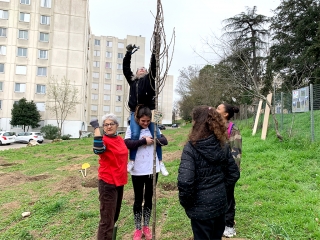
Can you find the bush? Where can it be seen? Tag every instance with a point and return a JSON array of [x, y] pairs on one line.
[[50, 132], [65, 137]]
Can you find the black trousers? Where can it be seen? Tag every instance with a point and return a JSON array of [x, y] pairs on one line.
[[143, 191], [210, 229], [231, 212], [110, 198]]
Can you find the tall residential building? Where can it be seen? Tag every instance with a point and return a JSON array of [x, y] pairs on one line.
[[40, 39]]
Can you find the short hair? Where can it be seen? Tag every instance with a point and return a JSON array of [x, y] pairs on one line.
[[110, 116]]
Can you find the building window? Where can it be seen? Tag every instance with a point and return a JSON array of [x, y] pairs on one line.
[[41, 106], [96, 64], [94, 96], [95, 75], [45, 20], [118, 109], [119, 66], [106, 108], [97, 42], [4, 14], [23, 34], [1, 86], [1, 67], [107, 87], [3, 50], [118, 98], [106, 97], [24, 17], [41, 89], [43, 54], [22, 52], [120, 55], [42, 71], [95, 85], [109, 44], [107, 76], [120, 45], [119, 77], [21, 70], [108, 54], [94, 107], [119, 87], [46, 3], [27, 2], [20, 87], [44, 37], [3, 32], [96, 53], [108, 64]]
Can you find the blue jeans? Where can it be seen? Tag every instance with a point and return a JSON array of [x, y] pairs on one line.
[[135, 134]]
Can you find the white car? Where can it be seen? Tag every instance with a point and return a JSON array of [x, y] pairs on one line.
[[28, 136], [7, 137]]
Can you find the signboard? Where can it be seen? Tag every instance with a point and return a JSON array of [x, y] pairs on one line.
[[300, 100]]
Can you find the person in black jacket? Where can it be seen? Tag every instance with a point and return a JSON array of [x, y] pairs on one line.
[[207, 170], [142, 92]]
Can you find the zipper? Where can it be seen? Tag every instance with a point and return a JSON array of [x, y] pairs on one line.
[[137, 83]]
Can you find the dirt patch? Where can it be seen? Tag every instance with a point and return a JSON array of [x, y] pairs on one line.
[[90, 183], [169, 186], [7, 164], [16, 178], [171, 156]]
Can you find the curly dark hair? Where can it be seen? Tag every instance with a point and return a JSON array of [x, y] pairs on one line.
[[207, 121]]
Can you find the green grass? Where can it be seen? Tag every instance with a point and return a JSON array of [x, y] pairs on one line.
[[277, 195]]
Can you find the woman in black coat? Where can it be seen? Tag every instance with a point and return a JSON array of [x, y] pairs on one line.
[[206, 171]]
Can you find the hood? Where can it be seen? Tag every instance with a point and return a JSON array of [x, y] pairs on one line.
[[135, 77], [210, 149]]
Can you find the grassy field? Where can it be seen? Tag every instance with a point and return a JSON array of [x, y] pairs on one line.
[[277, 195]]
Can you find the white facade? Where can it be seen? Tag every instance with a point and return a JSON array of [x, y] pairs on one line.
[[44, 38]]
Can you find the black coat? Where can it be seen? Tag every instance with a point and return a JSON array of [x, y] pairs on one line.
[[205, 172], [141, 90]]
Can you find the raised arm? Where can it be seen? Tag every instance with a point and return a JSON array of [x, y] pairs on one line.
[[98, 146], [126, 64]]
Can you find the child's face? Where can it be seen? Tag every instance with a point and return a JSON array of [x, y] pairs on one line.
[[144, 121]]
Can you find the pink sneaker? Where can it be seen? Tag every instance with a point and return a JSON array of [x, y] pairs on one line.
[[137, 234], [147, 233]]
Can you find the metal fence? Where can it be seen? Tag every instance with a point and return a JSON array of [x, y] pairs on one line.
[[301, 125]]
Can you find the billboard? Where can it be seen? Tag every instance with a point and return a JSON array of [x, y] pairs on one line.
[[300, 100]]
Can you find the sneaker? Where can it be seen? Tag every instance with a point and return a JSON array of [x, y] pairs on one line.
[[130, 166], [147, 233], [229, 232], [137, 234], [163, 169]]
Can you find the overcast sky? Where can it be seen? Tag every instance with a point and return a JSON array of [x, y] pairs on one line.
[[193, 20]]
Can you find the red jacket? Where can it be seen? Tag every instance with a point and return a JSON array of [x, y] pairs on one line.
[[113, 162]]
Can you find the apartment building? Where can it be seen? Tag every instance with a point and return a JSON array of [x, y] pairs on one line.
[[44, 38], [40, 39]]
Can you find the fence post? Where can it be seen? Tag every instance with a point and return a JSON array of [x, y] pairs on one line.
[[282, 111], [311, 112]]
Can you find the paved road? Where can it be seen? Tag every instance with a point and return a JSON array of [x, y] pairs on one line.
[[16, 145]]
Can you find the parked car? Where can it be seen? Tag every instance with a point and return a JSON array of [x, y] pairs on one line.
[[28, 136], [7, 137], [175, 125], [162, 127]]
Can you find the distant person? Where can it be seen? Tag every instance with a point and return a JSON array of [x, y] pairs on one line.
[[112, 173], [142, 173], [227, 111], [206, 172], [142, 92]]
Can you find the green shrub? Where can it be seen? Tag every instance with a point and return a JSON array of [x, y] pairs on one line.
[[65, 137], [50, 132]]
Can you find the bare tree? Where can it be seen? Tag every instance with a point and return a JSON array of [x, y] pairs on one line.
[[163, 63], [62, 99]]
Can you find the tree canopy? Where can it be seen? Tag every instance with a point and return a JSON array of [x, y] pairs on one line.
[[25, 114]]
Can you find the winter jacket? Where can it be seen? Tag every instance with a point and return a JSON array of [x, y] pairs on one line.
[[235, 141], [206, 171], [142, 90]]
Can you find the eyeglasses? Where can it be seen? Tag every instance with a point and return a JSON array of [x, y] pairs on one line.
[[109, 124]]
